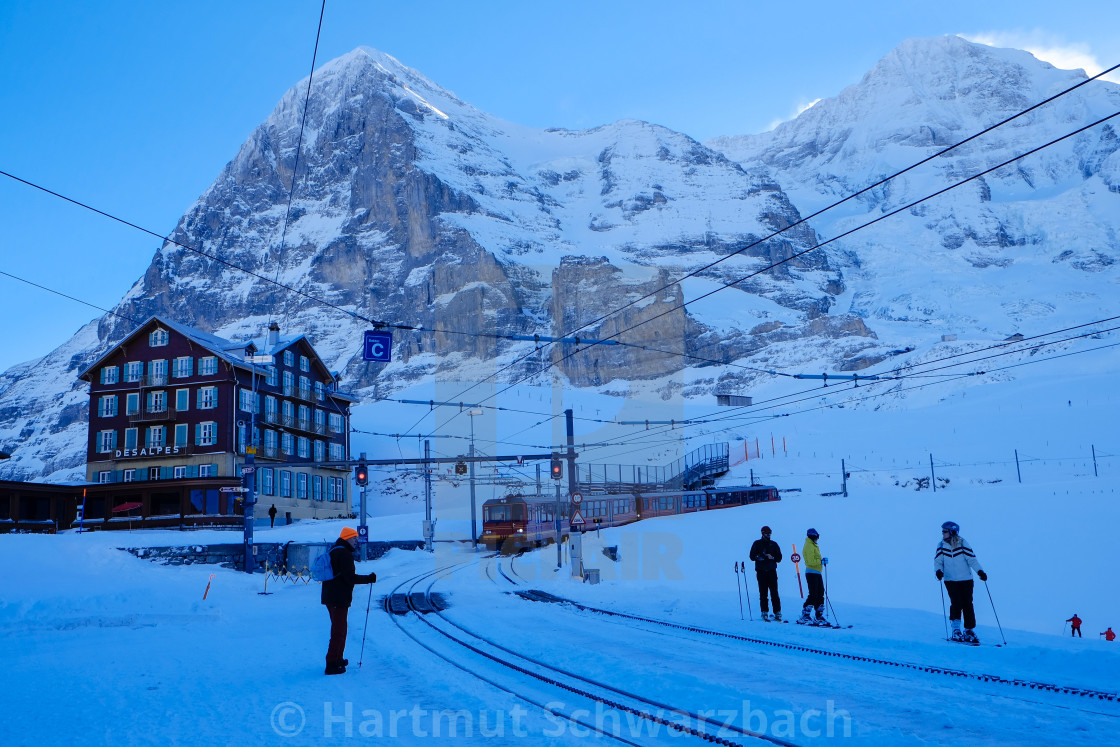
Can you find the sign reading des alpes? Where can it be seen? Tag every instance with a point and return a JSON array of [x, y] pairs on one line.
[[148, 451]]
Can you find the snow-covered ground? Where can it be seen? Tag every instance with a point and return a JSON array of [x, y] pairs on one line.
[[116, 649]]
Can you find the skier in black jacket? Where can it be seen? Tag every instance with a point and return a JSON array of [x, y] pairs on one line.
[[338, 593], [766, 555]]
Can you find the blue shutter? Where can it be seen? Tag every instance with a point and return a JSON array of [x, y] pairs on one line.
[[198, 434]]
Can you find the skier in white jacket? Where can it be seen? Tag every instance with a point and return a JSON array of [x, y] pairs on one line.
[[954, 563]]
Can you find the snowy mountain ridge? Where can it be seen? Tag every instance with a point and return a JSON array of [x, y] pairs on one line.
[[413, 207]]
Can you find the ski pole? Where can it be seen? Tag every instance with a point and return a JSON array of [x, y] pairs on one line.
[[943, 615], [746, 585], [1001, 635], [366, 628], [827, 598], [740, 590]]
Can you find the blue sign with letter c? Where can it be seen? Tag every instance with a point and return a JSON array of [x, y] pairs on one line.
[[378, 346]]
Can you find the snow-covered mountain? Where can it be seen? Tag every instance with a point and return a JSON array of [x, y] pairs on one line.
[[413, 207]]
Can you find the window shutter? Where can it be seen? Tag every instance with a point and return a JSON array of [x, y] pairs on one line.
[[198, 434]]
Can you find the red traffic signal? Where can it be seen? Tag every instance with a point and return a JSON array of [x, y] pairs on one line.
[[361, 474], [557, 469]]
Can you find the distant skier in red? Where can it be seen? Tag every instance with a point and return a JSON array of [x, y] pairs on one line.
[[1074, 626], [1109, 635]]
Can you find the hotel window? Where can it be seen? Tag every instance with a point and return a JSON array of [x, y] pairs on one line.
[[266, 481], [336, 423], [320, 421], [289, 383], [317, 487], [304, 416], [181, 434], [241, 438], [245, 400], [270, 408], [207, 397], [319, 390], [110, 375], [289, 358], [287, 443], [183, 367], [157, 401], [130, 438], [129, 475], [320, 451], [304, 363], [270, 442], [105, 476], [157, 372], [207, 470], [106, 441], [180, 473], [132, 403], [158, 338], [107, 406], [153, 473], [206, 434], [301, 485], [182, 400], [134, 371], [337, 454], [208, 366], [285, 484], [289, 411], [304, 447], [304, 386], [273, 376], [156, 436], [340, 490]]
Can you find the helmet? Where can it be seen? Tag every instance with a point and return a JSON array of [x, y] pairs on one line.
[[812, 533], [766, 530], [952, 527]]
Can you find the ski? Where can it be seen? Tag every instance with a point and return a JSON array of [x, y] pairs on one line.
[[963, 642]]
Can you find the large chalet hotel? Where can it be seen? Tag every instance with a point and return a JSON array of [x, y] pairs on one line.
[[174, 411]]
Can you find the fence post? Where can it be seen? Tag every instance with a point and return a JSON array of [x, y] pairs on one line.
[[1017, 470], [1094, 448], [932, 475], [844, 478]]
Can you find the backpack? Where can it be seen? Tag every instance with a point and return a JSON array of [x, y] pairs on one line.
[[321, 568]]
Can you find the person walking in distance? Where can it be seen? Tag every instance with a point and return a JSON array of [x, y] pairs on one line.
[[1074, 626], [766, 555], [954, 563], [338, 593], [272, 516], [811, 554]]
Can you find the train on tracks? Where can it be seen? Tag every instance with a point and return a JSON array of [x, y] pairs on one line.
[[524, 521]]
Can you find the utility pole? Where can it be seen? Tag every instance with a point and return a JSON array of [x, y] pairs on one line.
[[474, 527], [249, 471], [573, 488], [427, 496], [844, 479]]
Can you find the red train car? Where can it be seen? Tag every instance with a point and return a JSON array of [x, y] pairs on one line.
[[518, 521]]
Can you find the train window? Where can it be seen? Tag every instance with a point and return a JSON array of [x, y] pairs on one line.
[[518, 511], [496, 513]]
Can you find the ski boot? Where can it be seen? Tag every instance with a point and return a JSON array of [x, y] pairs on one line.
[[806, 616], [957, 635], [335, 667], [766, 617], [970, 637], [777, 617], [820, 619]]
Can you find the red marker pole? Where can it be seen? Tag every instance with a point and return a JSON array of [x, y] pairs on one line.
[[208, 586], [796, 559]]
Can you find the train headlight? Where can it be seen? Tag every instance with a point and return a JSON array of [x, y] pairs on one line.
[[520, 531]]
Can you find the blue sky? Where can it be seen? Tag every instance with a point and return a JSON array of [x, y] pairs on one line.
[[135, 107]]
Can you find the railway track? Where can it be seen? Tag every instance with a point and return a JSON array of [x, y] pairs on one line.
[[541, 596], [661, 719]]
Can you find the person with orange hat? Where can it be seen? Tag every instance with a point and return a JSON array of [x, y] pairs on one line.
[[338, 593]]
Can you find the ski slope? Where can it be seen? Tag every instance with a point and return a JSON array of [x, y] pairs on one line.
[[125, 651]]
